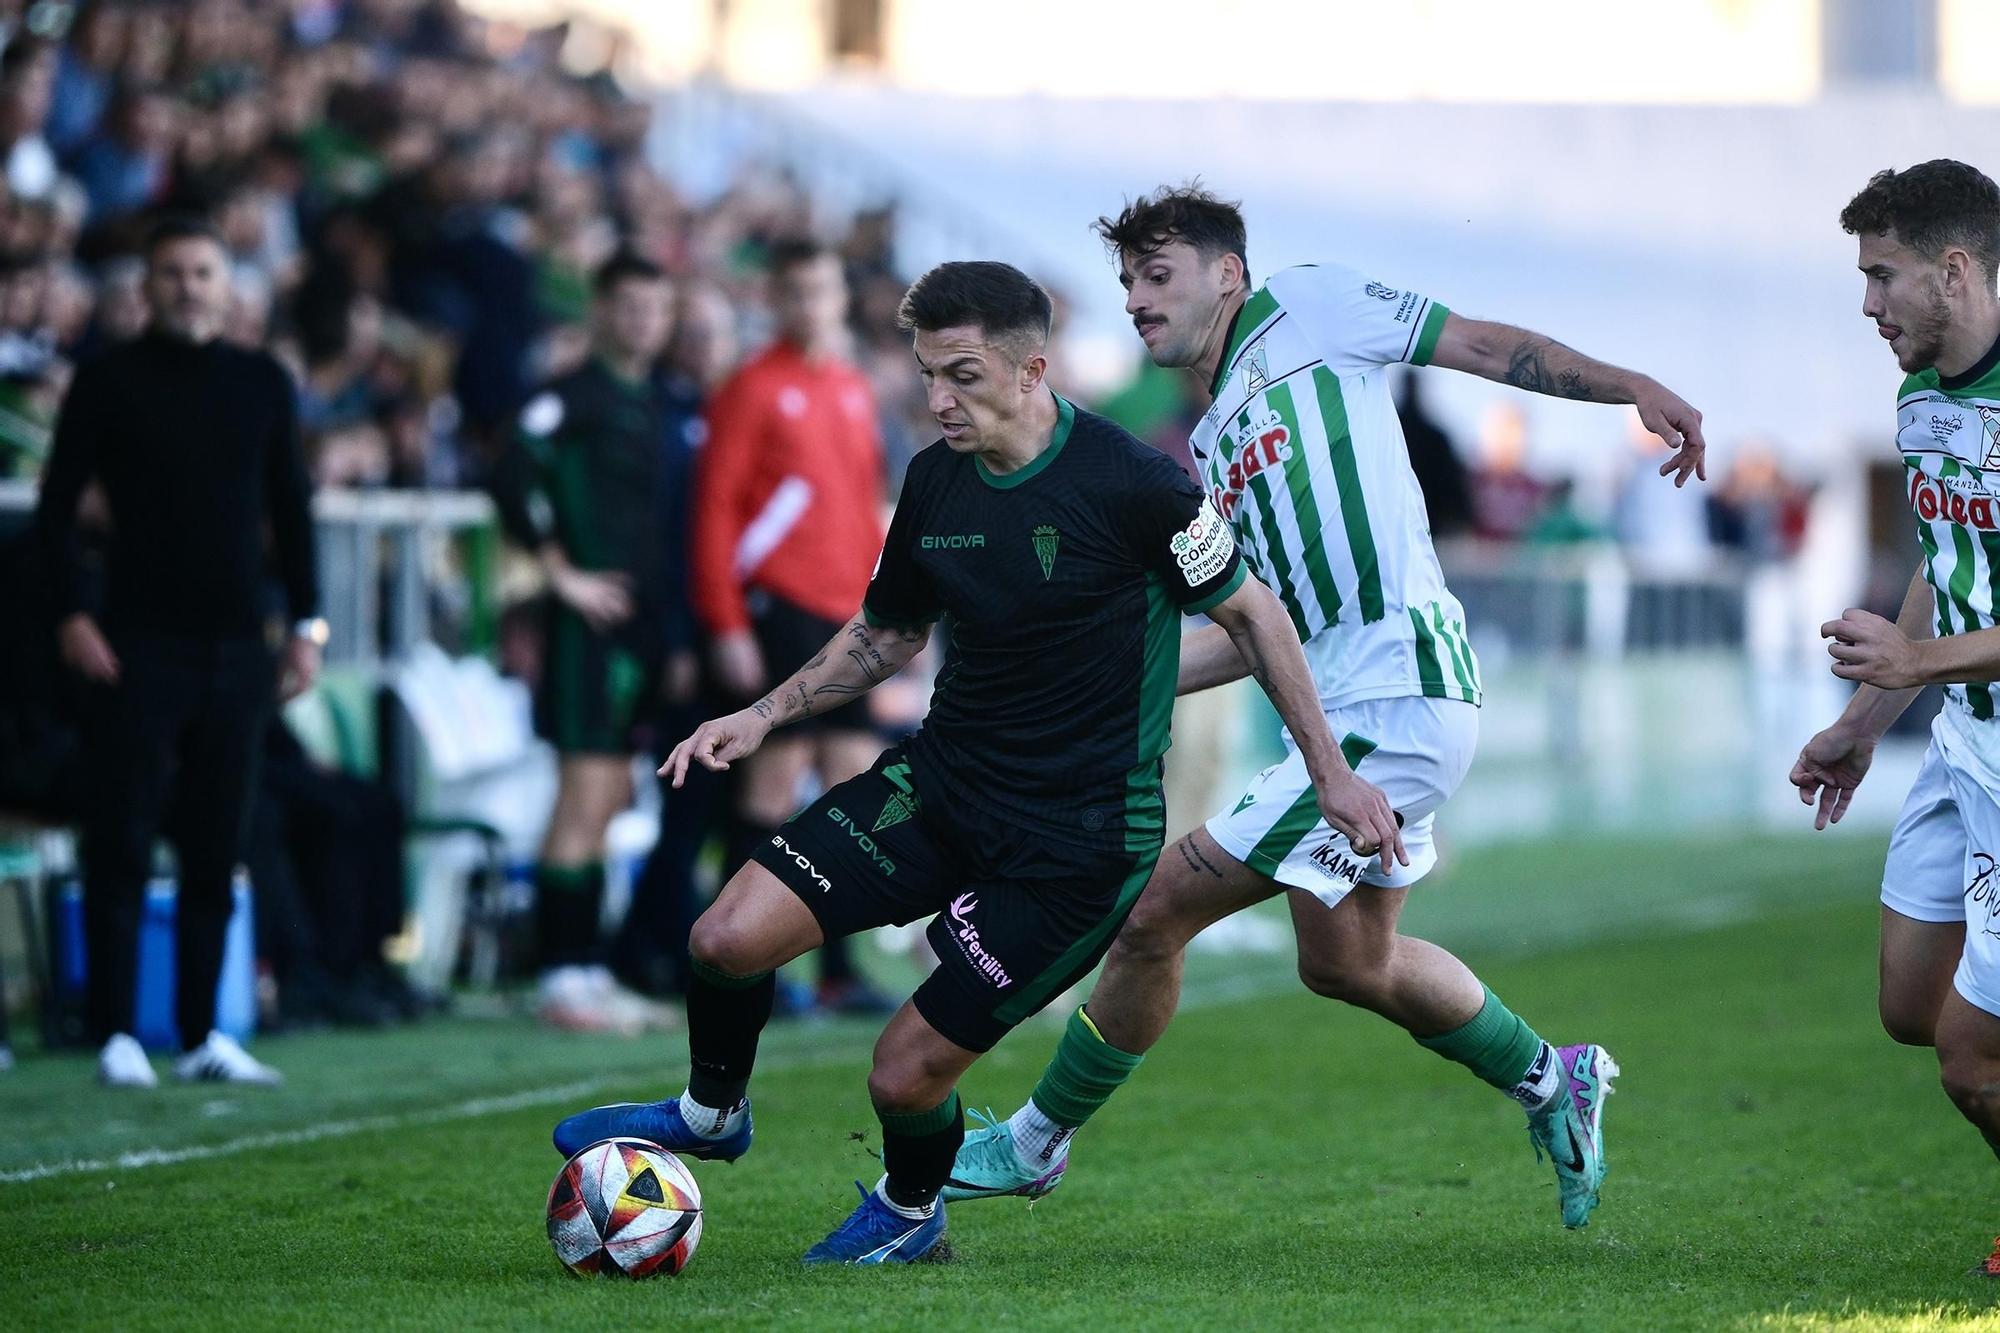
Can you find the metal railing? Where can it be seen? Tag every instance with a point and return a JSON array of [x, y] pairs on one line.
[[396, 568]]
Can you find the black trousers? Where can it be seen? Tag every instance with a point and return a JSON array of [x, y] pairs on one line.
[[650, 951], [172, 748]]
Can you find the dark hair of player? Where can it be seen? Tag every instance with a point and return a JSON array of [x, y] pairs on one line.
[[790, 252], [1212, 225], [1930, 207], [623, 267], [183, 227], [1001, 301]]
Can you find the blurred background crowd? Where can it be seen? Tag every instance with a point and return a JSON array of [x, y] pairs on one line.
[[415, 201]]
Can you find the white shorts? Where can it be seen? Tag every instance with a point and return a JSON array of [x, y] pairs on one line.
[[1415, 749], [1940, 868]]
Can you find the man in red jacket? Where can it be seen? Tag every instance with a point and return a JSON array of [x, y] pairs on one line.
[[788, 522]]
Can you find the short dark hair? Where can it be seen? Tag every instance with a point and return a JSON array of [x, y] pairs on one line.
[[1211, 224], [790, 252], [1930, 207], [1004, 303], [183, 227], [625, 266]]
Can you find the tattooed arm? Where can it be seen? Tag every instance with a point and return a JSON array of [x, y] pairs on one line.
[[853, 662], [1269, 645], [1510, 355]]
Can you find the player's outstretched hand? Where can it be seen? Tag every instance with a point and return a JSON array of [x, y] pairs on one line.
[[1674, 420], [1356, 808], [716, 743], [1870, 649], [1830, 767]]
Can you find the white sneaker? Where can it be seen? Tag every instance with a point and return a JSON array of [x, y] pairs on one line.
[[630, 1010], [221, 1060], [587, 998], [573, 999], [123, 1064]]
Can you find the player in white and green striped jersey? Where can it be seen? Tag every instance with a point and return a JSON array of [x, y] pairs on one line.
[[1302, 454], [1929, 240]]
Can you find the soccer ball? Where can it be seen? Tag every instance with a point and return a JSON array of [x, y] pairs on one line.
[[624, 1206]]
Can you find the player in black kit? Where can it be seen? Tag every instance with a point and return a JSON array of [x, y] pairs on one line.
[[1026, 813]]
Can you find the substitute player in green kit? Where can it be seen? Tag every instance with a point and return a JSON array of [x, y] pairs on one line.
[[1026, 813], [1303, 456]]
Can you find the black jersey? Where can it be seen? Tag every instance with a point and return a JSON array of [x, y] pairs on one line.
[[1060, 586], [196, 446], [601, 466]]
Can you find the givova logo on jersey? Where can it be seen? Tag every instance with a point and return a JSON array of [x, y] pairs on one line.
[[1266, 444], [1933, 500]]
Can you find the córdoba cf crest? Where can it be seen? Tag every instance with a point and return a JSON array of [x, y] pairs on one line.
[[1046, 538]]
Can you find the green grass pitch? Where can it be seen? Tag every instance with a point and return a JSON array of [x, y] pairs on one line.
[[1279, 1162]]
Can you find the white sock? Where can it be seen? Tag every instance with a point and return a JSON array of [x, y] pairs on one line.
[[1039, 1142], [1544, 1079], [914, 1214], [709, 1122]]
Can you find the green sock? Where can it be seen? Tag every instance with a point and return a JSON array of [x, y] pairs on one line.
[[1496, 1045], [1085, 1072]]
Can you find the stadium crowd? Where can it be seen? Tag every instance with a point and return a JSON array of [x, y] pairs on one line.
[[417, 205]]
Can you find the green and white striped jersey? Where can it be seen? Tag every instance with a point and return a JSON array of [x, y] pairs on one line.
[[1948, 431], [1302, 453]]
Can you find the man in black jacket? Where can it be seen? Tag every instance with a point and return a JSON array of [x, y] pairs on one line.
[[193, 446]]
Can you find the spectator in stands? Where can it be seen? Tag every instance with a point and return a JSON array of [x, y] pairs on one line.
[[590, 491], [788, 524], [193, 445], [27, 79], [1507, 500], [126, 169], [1664, 533], [1441, 474], [86, 73], [1758, 512]]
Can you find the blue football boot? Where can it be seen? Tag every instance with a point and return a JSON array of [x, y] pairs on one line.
[[655, 1122], [875, 1233]]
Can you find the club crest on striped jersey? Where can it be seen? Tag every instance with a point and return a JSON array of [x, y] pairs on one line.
[[1989, 429], [1256, 368]]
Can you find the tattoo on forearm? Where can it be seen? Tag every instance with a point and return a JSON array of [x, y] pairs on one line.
[[762, 708], [1528, 368], [1191, 854], [798, 699]]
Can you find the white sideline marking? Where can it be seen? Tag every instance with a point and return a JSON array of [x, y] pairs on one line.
[[1220, 990]]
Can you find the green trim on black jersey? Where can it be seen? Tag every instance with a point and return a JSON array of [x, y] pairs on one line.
[[1220, 595], [1427, 340], [639, 388], [1159, 676], [1039, 991], [1065, 419]]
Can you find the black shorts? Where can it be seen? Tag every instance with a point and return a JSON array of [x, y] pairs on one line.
[[1021, 917], [596, 689], [789, 636]]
